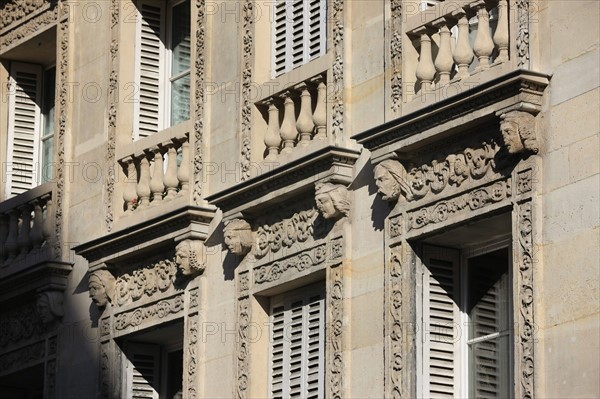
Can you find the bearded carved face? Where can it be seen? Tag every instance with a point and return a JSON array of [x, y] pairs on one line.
[[387, 186], [98, 294], [325, 206], [511, 137]]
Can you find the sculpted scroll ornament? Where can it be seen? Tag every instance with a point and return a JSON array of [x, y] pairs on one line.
[[473, 200], [284, 234], [158, 277], [159, 310]]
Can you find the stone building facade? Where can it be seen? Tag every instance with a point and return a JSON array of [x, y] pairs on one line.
[[341, 199]]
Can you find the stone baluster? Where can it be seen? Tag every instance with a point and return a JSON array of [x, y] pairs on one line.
[[425, 69], [320, 114], [272, 136], [443, 61], [143, 186], [170, 179], [288, 130], [12, 247], [483, 45], [3, 235], [157, 187], [305, 124], [130, 192], [183, 173], [463, 53], [36, 236], [48, 220], [23, 238], [501, 37]]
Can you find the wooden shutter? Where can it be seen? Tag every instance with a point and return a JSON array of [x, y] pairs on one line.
[[23, 128], [441, 318], [150, 68], [299, 32], [297, 346], [143, 371]]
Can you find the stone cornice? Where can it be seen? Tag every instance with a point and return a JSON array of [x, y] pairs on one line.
[[188, 222], [332, 164], [518, 88], [26, 281]]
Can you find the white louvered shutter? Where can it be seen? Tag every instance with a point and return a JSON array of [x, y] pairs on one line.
[[297, 347], [150, 67], [23, 128], [299, 33], [143, 371], [441, 318]]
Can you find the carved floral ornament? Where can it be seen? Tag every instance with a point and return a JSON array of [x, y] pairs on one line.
[[394, 180], [15, 10]]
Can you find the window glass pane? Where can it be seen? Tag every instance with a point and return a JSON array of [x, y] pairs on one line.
[[488, 296], [180, 38], [489, 371], [47, 160], [180, 99], [48, 105]]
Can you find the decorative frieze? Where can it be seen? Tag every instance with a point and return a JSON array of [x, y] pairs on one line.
[[300, 262], [145, 282], [28, 27], [396, 54], [287, 233], [523, 33], [462, 205], [19, 324], [337, 96], [144, 314], [22, 357]]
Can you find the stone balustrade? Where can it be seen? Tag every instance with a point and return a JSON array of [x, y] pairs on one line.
[[450, 48], [157, 173], [26, 224], [295, 116]]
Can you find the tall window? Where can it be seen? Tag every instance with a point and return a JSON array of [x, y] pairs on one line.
[[299, 33], [297, 353], [466, 324], [30, 127], [163, 65]]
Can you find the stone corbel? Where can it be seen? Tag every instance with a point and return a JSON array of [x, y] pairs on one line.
[[101, 284], [190, 257], [333, 200], [238, 236], [519, 132], [49, 306], [391, 179]]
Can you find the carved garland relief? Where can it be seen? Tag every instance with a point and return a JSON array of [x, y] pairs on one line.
[[145, 282], [247, 57], [337, 19], [395, 326], [396, 54], [335, 364], [199, 101]]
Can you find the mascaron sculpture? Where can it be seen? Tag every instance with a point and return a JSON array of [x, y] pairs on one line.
[[102, 287], [189, 257], [332, 200], [238, 237]]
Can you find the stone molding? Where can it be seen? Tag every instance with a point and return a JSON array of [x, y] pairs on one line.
[[395, 33], [148, 314], [25, 20], [337, 21], [460, 207], [199, 100], [318, 255], [335, 359], [246, 78]]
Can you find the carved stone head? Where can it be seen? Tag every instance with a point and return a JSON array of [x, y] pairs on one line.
[[518, 132], [391, 180], [332, 200], [102, 287], [238, 237], [49, 306], [189, 257]]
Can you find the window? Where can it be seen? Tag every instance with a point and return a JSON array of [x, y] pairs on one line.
[[299, 33], [466, 317], [31, 107], [297, 352], [163, 66]]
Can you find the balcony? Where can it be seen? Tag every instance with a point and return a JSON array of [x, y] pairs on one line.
[[451, 47], [29, 246], [154, 176]]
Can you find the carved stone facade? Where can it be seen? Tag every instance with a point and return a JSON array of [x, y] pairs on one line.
[[310, 196]]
